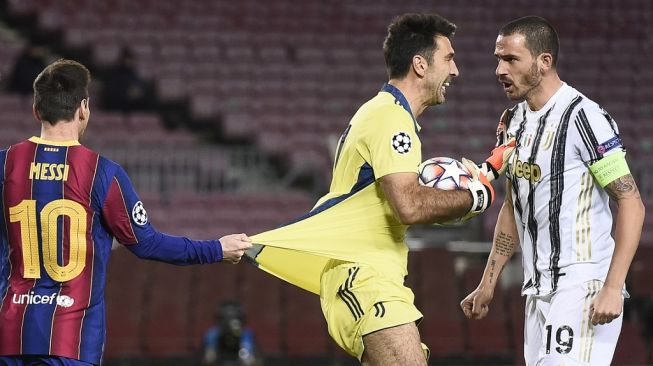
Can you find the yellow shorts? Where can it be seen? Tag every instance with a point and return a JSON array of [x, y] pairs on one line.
[[357, 300]]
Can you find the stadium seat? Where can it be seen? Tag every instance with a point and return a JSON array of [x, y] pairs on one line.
[[260, 294], [284, 75], [210, 286], [516, 309], [125, 302], [303, 326], [437, 296], [488, 337], [167, 310], [631, 349]]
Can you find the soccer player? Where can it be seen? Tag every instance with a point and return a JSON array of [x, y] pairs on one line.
[[62, 205], [569, 161], [350, 248]]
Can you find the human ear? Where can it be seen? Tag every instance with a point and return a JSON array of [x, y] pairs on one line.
[[419, 65]]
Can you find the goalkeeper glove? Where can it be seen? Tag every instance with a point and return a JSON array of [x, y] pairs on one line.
[[497, 162], [480, 188]]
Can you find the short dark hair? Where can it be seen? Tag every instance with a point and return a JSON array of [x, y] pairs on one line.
[[540, 35], [410, 35], [59, 89]]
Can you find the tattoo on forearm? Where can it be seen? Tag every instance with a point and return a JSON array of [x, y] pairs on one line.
[[493, 265], [622, 187], [504, 244]]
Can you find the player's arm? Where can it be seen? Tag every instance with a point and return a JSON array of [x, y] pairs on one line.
[[416, 204], [138, 235], [395, 154], [504, 244], [629, 220]]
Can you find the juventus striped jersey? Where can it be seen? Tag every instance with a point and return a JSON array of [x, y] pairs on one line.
[[562, 214], [62, 205]]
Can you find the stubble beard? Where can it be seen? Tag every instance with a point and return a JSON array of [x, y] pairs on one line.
[[531, 82]]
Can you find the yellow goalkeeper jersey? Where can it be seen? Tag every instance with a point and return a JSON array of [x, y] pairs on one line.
[[354, 221]]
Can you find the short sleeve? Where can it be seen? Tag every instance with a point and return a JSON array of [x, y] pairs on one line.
[[394, 145], [598, 135]]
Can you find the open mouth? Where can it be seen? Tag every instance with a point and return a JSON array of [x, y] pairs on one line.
[[444, 87], [507, 86]]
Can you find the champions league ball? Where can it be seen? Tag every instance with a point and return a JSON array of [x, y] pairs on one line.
[[444, 173]]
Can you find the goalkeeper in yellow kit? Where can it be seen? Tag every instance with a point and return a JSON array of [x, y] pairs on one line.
[[350, 248]]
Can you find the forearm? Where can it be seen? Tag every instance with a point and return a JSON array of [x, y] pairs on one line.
[[504, 245], [177, 250], [436, 205], [630, 218]]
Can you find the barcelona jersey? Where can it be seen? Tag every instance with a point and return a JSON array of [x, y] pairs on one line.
[[62, 205], [354, 222]]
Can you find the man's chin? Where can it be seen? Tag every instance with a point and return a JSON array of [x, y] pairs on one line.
[[439, 99], [514, 97]]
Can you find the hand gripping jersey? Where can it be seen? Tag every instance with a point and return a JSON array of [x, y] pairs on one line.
[[561, 211], [353, 222], [61, 207]]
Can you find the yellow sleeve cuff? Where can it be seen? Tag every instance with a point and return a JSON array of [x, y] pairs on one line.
[[610, 168]]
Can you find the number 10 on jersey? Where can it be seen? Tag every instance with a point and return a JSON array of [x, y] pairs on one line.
[[25, 214]]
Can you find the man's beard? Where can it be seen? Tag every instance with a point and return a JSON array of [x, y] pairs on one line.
[[531, 80]]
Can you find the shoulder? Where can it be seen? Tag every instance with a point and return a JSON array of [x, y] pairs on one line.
[[108, 171], [382, 110], [577, 104], [513, 116], [108, 166], [589, 112]]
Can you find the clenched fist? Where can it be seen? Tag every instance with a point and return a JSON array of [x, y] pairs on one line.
[[234, 246]]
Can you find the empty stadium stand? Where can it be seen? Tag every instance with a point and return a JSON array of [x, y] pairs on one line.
[[285, 77]]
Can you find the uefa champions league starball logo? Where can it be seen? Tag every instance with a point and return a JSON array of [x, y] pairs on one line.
[[139, 214], [401, 142]]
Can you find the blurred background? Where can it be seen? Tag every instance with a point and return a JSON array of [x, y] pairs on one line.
[[225, 115]]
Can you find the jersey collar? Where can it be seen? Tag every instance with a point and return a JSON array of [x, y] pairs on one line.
[[401, 100], [38, 140]]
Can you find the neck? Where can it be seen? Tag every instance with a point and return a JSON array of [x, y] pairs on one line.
[[62, 131], [543, 92], [413, 95]]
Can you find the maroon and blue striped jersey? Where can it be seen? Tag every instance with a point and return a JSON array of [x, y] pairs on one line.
[[62, 205]]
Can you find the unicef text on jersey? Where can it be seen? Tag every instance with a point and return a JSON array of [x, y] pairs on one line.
[[35, 299]]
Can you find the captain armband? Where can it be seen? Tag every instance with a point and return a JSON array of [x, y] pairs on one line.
[[610, 168]]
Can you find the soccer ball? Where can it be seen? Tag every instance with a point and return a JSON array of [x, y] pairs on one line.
[[444, 173]]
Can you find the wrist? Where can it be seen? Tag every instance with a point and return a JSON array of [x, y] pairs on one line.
[[486, 286], [609, 286], [219, 250]]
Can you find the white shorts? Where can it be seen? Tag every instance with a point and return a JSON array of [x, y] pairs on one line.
[[558, 330]]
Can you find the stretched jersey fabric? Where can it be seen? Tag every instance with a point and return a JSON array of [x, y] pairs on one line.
[[354, 221], [562, 214], [62, 206]]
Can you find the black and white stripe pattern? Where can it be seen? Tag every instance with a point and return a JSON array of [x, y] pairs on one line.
[[379, 310], [515, 182], [557, 187], [613, 124], [586, 134], [532, 221], [348, 297]]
